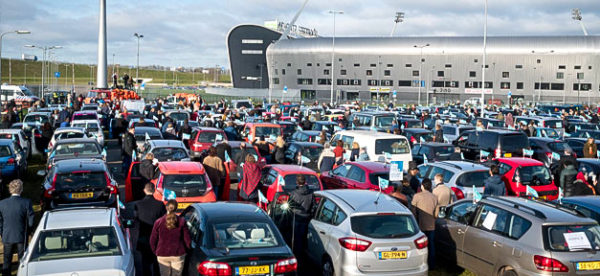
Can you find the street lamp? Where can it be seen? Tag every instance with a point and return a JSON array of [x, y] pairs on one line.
[[44, 50], [25, 71], [399, 19], [137, 68], [1, 36], [576, 15], [420, 68], [334, 12], [485, 12]]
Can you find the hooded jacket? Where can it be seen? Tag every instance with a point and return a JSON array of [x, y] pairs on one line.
[[494, 186], [301, 201]]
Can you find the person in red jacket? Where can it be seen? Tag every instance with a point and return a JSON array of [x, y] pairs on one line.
[[170, 239]]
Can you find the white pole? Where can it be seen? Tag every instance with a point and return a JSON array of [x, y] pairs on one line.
[[332, 60], [484, 54], [101, 70]]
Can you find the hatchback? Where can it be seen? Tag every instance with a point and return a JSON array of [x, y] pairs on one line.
[[202, 138], [306, 136], [187, 180], [460, 176], [312, 151], [74, 148], [67, 133], [13, 160], [92, 128], [272, 185], [166, 150], [545, 148], [577, 144], [518, 173], [417, 135], [433, 151], [357, 175]]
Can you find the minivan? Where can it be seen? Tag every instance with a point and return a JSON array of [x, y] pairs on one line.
[[381, 121], [498, 143]]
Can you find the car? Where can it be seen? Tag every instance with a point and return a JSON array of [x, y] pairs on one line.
[[586, 134], [518, 173], [410, 123], [433, 151], [19, 136], [356, 232], [306, 136], [235, 239], [275, 190], [78, 182], [588, 205], [67, 133], [75, 148], [541, 121], [233, 170], [84, 116], [578, 125], [92, 238], [544, 148], [489, 123], [497, 143], [577, 144], [517, 236], [460, 176], [310, 150], [256, 130], [287, 128], [452, 132], [92, 128], [187, 180], [417, 135], [203, 138], [178, 115], [362, 175], [13, 161], [142, 134], [547, 133], [37, 119], [381, 147], [142, 122], [375, 120], [328, 126], [166, 150]]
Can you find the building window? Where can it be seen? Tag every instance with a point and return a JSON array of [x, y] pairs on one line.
[[305, 81], [351, 96], [505, 75], [289, 65], [369, 72], [440, 73], [283, 71], [519, 66], [505, 85], [252, 52], [448, 84], [299, 71], [380, 96], [487, 66], [372, 82], [477, 84], [544, 85], [318, 64], [275, 80], [387, 83], [408, 65], [327, 64], [579, 76], [415, 73], [326, 72], [324, 81], [343, 72], [390, 65], [373, 65], [276, 71], [308, 94], [583, 86], [356, 64], [590, 67], [475, 60], [539, 61], [405, 83], [519, 86], [472, 74], [562, 67], [448, 66], [577, 67], [387, 73], [560, 75], [557, 86], [308, 64], [252, 41], [343, 81], [355, 82]]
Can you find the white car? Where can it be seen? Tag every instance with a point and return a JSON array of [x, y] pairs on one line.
[[79, 241], [92, 127], [66, 133]]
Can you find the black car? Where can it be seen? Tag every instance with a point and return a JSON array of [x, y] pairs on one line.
[[288, 128], [417, 135], [577, 144], [579, 125], [586, 133], [433, 151], [78, 182], [497, 143], [235, 239], [489, 123], [587, 205], [309, 150], [543, 148], [410, 123], [75, 148]]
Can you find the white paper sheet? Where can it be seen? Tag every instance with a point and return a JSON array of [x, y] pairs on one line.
[[577, 240], [489, 220]]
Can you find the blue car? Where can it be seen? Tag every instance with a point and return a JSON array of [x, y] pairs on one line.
[[588, 205], [13, 161]]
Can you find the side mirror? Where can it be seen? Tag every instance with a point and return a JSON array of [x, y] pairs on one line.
[[41, 173], [442, 212]]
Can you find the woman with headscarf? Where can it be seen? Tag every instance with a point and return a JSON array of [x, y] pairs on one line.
[[215, 170], [170, 240], [248, 188]]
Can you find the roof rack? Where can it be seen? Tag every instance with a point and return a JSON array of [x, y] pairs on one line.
[[561, 207], [516, 205], [450, 164]]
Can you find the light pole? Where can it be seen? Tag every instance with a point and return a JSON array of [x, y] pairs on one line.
[[25, 71], [485, 11], [137, 67], [1, 36], [399, 19], [44, 50], [334, 12], [576, 15], [540, 69], [420, 68]]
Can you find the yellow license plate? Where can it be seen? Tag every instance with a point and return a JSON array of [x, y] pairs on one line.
[[390, 255], [544, 197], [588, 266], [183, 205], [252, 270], [508, 155], [82, 195]]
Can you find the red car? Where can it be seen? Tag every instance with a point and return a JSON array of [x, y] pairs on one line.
[[519, 172], [188, 180], [274, 190], [357, 175], [202, 138]]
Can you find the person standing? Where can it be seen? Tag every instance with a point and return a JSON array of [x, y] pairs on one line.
[[16, 219], [279, 150], [170, 239], [148, 167], [146, 212], [339, 152], [401, 197], [414, 182], [129, 147], [445, 196], [439, 134], [222, 148], [568, 176], [590, 150], [248, 187], [494, 185], [424, 206], [326, 159], [215, 170], [354, 152], [301, 202]]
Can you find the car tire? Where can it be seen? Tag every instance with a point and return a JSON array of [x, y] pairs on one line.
[[509, 272], [327, 267]]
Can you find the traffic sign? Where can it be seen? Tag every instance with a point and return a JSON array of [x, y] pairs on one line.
[[285, 89], [57, 74]]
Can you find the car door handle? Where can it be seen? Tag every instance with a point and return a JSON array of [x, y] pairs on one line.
[[322, 232], [460, 231], [496, 244]]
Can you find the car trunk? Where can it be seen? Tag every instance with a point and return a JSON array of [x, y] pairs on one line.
[[81, 187], [185, 185], [581, 260], [242, 261]]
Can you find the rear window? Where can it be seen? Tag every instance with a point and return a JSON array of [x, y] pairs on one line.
[[392, 146], [243, 235], [514, 142], [558, 237], [267, 131], [90, 116], [235, 152], [384, 121], [77, 149], [248, 105], [36, 119], [77, 180], [5, 151], [559, 146], [445, 150], [384, 226], [208, 137], [312, 153], [471, 179], [494, 123], [90, 127], [535, 175], [69, 135], [174, 154], [374, 177], [311, 180], [553, 123], [184, 181], [76, 243], [413, 124], [178, 116]]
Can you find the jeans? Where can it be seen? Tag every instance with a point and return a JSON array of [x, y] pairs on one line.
[[216, 189], [430, 248], [8, 254]]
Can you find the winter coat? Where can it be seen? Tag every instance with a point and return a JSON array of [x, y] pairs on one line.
[[590, 150], [326, 160], [129, 144], [214, 169], [301, 201], [494, 186], [147, 170], [567, 180], [279, 155]]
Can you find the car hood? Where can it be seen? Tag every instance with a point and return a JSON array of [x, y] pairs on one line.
[[109, 265]]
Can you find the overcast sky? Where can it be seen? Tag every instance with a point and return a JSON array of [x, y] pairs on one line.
[[192, 32]]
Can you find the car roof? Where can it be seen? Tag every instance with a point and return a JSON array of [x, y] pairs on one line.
[[499, 131], [85, 112], [460, 165], [310, 132], [589, 160], [372, 166], [544, 139], [544, 212], [86, 121], [362, 201], [77, 218], [142, 129], [375, 113], [69, 129], [166, 143], [520, 161], [38, 113], [180, 167], [589, 201], [230, 211], [307, 144], [74, 164], [369, 133], [76, 140], [11, 130], [214, 129], [417, 130], [435, 144], [5, 142], [292, 169]]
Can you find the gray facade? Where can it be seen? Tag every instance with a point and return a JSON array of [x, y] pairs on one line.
[[547, 68]]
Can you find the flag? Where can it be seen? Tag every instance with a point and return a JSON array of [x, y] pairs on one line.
[[561, 194], [353, 126], [168, 194], [462, 156], [185, 136], [134, 155], [555, 156], [262, 198], [325, 128], [104, 152], [305, 159], [598, 154], [121, 205], [402, 126], [527, 152], [218, 137], [387, 155], [299, 128], [337, 128], [530, 191], [255, 157], [346, 155], [476, 195], [280, 180], [227, 158], [383, 183], [147, 136], [425, 160], [422, 139], [483, 154]]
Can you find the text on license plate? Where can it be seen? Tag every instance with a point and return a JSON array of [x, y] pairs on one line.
[[508, 155], [183, 205], [388, 255], [82, 195], [588, 266], [252, 270]]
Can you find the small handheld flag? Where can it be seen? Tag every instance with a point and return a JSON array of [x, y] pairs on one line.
[[483, 153], [476, 195], [280, 180], [421, 139], [346, 155], [168, 194], [305, 160], [147, 136], [227, 158], [262, 198], [555, 156], [185, 136], [383, 183], [121, 205], [388, 155], [425, 160], [325, 128], [337, 128], [561, 194], [530, 191], [527, 152], [462, 156], [299, 128]]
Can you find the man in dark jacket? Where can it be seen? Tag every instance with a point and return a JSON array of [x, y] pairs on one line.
[[414, 182], [148, 167], [129, 146], [241, 156], [494, 184], [568, 175], [222, 148], [301, 202], [16, 219], [146, 212]]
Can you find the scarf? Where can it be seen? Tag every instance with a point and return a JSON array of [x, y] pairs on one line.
[[251, 178]]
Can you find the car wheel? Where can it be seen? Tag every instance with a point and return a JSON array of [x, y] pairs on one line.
[[509, 272], [327, 267]]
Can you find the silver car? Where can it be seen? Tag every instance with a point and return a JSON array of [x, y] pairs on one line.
[[357, 232], [78, 241], [460, 176]]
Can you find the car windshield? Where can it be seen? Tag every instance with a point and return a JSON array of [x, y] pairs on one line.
[[392, 146], [445, 150], [559, 146], [535, 175], [311, 180], [184, 181], [76, 149], [249, 105], [89, 108], [550, 133], [91, 127], [68, 135], [5, 151], [514, 142], [81, 179], [573, 237], [178, 116], [142, 136], [238, 235], [471, 179], [40, 119], [494, 123], [384, 226], [553, 123], [384, 121], [172, 154], [208, 136], [76, 243], [413, 124], [312, 153], [267, 131]]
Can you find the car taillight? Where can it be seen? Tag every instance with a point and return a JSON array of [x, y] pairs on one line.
[[287, 265], [575, 155], [37, 135], [498, 152], [421, 242], [10, 161], [549, 264], [113, 189], [209, 186], [354, 244], [281, 199], [459, 194], [214, 269], [412, 139]]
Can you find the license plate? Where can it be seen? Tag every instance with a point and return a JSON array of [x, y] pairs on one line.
[[390, 255], [252, 270], [508, 155], [82, 195], [588, 266], [183, 205], [544, 197]]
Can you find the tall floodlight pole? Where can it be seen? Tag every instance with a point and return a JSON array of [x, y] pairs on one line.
[[1, 36], [101, 70], [399, 19], [420, 68], [484, 56], [576, 15], [137, 67], [334, 12]]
